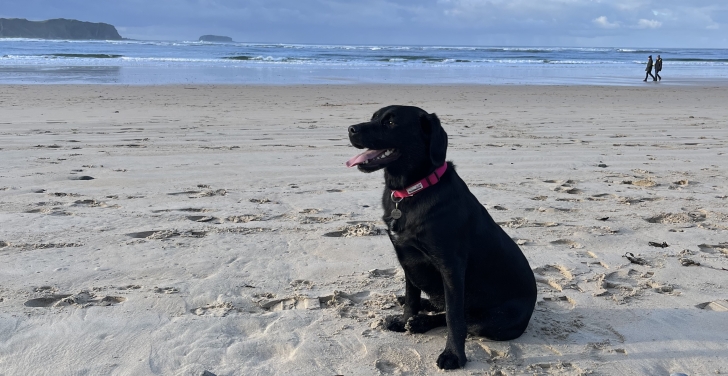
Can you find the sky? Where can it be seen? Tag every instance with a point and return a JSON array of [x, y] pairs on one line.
[[578, 23]]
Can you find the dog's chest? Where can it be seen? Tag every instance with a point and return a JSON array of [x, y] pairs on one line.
[[393, 229], [399, 229], [394, 235]]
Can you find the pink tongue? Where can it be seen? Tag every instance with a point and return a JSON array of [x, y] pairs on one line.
[[363, 157]]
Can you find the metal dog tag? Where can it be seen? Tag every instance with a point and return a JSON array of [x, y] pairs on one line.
[[396, 214]]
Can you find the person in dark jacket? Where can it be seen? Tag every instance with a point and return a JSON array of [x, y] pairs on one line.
[[649, 69], [658, 67]]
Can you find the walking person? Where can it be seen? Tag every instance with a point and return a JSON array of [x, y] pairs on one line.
[[649, 69], [658, 67]]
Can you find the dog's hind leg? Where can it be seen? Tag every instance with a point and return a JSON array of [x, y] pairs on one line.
[[505, 322]]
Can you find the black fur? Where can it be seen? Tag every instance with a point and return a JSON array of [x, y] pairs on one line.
[[477, 279]]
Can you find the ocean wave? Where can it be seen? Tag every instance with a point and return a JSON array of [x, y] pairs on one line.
[[632, 51], [62, 56], [168, 59], [87, 56], [266, 58], [698, 60]]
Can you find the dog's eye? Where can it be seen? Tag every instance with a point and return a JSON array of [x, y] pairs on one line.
[[388, 122]]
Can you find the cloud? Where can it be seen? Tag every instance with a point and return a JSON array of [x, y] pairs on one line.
[[648, 24], [604, 23], [447, 22]]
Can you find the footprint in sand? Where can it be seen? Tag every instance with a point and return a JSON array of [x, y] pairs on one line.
[[523, 222], [357, 230], [298, 302], [557, 277], [643, 183], [382, 273], [391, 360], [166, 290], [204, 219], [129, 287], [681, 183], [662, 288], [298, 284], [568, 189], [593, 258], [83, 299], [46, 301], [194, 210], [45, 289], [714, 248], [200, 193], [219, 309], [601, 197], [261, 201], [91, 203], [675, 218], [570, 243], [556, 368], [63, 194], [564, 186], [623, 285], [166, 234], [338, 300], [522, 241], [637, 200], [47, 245], [313, 220], [556, 324], [718, 306], [245, 218], [559, 304], [495, 352], [597, 349]]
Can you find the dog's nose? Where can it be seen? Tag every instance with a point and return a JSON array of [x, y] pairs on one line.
[[353, 129]]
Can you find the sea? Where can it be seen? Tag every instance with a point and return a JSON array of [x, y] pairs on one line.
[[148, 62]]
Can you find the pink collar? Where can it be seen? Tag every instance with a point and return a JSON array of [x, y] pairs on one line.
[[429, 181]]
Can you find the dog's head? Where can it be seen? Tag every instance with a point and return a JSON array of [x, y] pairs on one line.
[[401, 138]]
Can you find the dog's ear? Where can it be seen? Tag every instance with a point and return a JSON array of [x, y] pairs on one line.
[[438, 138]]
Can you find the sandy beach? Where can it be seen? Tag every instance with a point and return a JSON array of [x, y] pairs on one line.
[[173, 230]]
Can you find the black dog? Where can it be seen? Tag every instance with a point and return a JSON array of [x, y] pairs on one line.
[[447, 243]]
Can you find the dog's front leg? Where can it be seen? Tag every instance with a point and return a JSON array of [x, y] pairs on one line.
[[454, 354], [412, 296]]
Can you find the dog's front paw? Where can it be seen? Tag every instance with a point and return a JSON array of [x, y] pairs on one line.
[[449, 360], [395, 324], [417, 324], [424, 323]]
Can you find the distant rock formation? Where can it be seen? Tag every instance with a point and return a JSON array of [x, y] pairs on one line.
[[215, 38], [59, 28]]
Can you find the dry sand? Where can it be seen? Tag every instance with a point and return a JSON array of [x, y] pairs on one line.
[[221, 231]]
